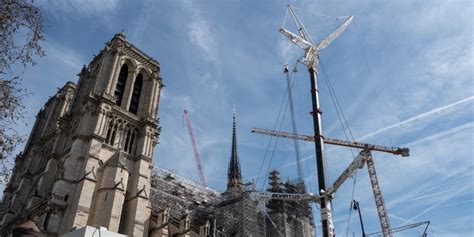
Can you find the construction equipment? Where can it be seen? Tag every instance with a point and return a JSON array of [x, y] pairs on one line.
[[286, 197], [311, 58], [259, 196], [305, 42], [355, 206], [405, 227], [392, 150], [197, 157], [357, 163], [293, 122], [365, 156], [379, 202]]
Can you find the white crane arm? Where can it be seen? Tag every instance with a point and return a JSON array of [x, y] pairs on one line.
[[282, 134], [295, 39], [357, 163], [299, 25], [325, 42], [392, 150]]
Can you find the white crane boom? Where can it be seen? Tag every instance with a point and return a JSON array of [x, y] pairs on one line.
[[365, 156], [392, 150], [305, 42], [295, 39], [357, 163], [325, 42]]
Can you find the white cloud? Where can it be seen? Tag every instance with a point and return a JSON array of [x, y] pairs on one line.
[[199, 32], [64, 55], [82, 7], [141, 23], [435, 71]]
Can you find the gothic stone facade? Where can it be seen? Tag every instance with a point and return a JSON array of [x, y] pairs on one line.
[[88, 159]]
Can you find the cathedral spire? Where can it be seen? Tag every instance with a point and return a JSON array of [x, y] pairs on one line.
[[234, 176]]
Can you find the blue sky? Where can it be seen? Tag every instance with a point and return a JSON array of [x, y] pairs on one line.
[[402, 71]]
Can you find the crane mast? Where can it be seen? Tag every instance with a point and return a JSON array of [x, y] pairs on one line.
[[197, 157], [381, 209], [311, 58]]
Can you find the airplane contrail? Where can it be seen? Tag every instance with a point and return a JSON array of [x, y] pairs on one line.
[[413, 143], [442, 201], [441, 134], [444, 133], [417, 117]]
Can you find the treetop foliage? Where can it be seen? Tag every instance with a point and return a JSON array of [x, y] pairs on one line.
[[21, 31]]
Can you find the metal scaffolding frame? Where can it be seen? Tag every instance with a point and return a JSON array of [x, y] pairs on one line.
[[237, 215]]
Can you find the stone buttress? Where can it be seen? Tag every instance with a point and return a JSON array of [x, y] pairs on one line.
[[88, 159]]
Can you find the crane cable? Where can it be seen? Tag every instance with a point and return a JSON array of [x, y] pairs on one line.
[[279, 128], [291, 104], [274, 124], [340, 113], [267, 149], [341, 116], [293, 121], [284, 19], [377, 98], [298, 151], [345, 126], [320, 14], [284, 103]]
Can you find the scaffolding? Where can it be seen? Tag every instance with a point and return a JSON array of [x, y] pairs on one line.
[[236, 215], [182, 197], [240, 216]]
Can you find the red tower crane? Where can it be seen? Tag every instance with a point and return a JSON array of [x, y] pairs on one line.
[[197, 157]]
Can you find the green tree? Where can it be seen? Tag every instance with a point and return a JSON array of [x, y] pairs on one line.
[[21, 32]]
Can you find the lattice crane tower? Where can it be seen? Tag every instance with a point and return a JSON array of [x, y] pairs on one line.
[[197, 156]]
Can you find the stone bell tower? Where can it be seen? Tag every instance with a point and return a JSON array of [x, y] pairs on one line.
[[88, 159]]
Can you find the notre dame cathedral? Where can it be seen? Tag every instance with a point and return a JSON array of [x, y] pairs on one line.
[[87, 167]]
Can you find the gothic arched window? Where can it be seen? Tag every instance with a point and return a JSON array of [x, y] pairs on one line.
[[112, 138], [121, 81], [46, 220], [130, 140], [127, 141], [132, 143], [137, 89], [109, 133]]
